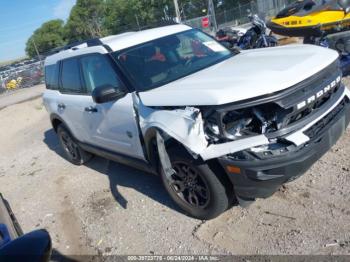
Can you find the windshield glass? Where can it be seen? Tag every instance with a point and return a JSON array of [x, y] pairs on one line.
[[166, 59]]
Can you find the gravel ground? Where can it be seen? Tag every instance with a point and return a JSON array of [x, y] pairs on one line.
[[17, 96], [106, 208]]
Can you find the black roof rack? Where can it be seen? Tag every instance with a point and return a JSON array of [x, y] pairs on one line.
[[98, 42], [89, 43]]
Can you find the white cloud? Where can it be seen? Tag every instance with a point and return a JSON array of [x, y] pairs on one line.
[[62, 9]]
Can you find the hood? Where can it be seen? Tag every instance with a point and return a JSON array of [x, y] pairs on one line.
[[247, 75]]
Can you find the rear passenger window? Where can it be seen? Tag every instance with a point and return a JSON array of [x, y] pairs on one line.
[[97, 72], [51, 77], [70, 76]]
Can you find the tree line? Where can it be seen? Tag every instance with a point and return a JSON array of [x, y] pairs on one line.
[[98, 18]]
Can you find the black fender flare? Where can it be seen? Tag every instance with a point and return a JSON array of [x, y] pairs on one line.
[[150, 140], [151, 148], [54, 117]]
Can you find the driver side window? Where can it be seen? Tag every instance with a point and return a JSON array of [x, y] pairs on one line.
[[97, 71]]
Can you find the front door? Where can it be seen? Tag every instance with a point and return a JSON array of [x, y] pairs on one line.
[[109, 125]]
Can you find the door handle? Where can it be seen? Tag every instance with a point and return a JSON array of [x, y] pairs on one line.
[[61, 106], [91, 109]]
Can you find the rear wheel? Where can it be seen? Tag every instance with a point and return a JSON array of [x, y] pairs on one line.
[[194, 186], [73, 152]]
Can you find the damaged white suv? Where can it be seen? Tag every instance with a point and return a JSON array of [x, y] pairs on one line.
[[218, 126]]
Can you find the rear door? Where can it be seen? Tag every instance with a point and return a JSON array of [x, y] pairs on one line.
[[72, 100]]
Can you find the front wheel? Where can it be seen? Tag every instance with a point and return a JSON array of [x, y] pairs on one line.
[[194, 187]]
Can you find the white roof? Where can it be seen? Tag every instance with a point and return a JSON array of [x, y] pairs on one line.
[[119, 42], [122, 41]]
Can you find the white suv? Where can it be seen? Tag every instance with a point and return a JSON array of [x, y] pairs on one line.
[[218, 126]]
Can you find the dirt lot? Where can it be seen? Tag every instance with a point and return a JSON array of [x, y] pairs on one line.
[[107, 208]]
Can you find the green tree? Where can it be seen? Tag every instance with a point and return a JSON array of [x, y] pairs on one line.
[[193, 8], [48, 36], [123, 15], [86, 20]]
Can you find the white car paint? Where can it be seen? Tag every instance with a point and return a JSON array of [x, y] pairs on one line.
[[247, 75], [118, 42], [80, 50], [106, 128], [188, 130], [122, 41], [179, 124], [250, 74]]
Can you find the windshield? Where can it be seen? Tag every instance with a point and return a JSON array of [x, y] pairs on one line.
[[166, 59]]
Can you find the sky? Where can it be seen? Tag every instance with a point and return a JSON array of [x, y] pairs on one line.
[[20, 18]]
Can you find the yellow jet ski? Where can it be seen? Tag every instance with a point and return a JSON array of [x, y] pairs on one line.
[[306, 18]]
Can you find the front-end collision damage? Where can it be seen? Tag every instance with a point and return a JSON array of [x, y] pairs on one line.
[[186, 126], [164, 158], [259, 133]]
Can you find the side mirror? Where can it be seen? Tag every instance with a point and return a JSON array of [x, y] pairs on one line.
[[106, 93]]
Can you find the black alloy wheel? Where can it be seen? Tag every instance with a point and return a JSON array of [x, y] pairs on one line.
[[190, 186], [198, 190], [73, 152]]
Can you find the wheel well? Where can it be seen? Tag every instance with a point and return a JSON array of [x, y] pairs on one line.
[[152, 149], [55, 123], [213, 164]]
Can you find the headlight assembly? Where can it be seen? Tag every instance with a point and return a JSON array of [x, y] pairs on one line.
[[236, 124]]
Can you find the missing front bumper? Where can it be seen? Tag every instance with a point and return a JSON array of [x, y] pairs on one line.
[[261, 178]]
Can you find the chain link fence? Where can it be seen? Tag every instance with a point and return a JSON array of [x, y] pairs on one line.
[[269, 8], [236, 16], [21, 75], [239, 15]]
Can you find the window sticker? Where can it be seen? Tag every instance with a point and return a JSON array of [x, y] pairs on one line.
[[215, 46]]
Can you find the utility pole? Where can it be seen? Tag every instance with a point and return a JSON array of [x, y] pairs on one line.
[[137, 21], [211, 11], [36, 50], [177, 10]]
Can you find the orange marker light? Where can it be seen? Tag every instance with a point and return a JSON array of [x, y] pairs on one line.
[[233, 169]]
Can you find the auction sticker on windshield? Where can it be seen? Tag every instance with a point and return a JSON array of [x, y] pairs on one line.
[[215, 46]]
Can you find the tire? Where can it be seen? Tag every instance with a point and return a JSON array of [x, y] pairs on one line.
[[208, 203], [72, 151]]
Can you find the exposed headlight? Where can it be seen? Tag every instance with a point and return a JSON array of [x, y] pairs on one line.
[[235, 124]]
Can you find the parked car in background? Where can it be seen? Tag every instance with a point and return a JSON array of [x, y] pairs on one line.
[[217, 126]]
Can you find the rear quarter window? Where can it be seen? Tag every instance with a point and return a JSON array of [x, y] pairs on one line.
[[51, 77]]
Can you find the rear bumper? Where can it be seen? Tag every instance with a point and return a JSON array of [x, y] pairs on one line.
[[262, 178]]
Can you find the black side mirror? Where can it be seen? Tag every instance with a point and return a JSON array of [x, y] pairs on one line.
[[106, 93]]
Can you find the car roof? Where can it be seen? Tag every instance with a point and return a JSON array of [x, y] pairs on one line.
[[122, 41], [118, 42]]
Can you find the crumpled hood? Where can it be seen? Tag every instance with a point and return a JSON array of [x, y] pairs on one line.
[[249, 74]]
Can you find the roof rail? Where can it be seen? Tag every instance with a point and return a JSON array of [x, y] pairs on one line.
[[89, 43]]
